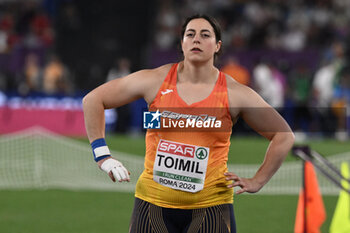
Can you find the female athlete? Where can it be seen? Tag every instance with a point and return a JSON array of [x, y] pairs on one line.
[[185, 186]]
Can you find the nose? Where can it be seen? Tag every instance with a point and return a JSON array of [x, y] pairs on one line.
[[196, 39]]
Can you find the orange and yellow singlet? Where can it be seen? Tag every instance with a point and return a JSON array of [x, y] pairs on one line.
[[186, 159]]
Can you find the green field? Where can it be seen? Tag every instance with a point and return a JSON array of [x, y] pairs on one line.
[[58, 211], [51, 211]]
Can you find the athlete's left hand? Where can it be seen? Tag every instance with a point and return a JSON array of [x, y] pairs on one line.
[[247, 184]]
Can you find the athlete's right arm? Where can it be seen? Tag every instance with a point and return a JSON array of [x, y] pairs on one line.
[[113, 94]]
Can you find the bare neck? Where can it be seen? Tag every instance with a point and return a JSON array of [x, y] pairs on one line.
[[197, 73]]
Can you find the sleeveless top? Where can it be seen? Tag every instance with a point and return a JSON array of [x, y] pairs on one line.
[[186, 157]]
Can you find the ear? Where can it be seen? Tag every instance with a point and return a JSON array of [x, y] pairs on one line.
[[218, 46]]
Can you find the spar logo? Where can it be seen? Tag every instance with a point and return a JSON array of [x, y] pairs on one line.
[[201, 153], [177, 148]]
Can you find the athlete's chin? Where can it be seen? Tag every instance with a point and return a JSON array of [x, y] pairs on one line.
[[198, 60]]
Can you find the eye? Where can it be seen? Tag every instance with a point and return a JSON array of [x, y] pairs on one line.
[[190, 34], [205, 35]]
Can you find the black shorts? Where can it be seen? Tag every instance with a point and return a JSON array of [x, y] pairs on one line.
[[149, 218]]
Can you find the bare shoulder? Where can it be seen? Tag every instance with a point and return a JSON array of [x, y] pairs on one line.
[[241, 95], [150, 80], [156, 73], [244, 102]]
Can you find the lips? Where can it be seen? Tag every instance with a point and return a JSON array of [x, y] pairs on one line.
[[195, 49]]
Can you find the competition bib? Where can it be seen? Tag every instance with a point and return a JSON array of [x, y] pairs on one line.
[[180, 166]]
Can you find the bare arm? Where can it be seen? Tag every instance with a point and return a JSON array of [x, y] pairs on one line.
[[109, 95], [118, 92], [266, 121], [142, 84]]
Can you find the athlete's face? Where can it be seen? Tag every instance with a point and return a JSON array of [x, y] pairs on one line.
[[199, 41]]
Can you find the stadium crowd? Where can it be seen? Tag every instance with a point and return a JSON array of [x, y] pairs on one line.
[[294, 53], [28, 62]]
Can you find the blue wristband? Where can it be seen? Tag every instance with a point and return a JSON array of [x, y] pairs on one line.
[[100, 149]]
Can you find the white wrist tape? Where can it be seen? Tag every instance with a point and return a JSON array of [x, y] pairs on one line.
[[100, 149], [118, 170]]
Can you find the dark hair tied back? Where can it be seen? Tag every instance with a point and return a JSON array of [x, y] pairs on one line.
[[213, 22]]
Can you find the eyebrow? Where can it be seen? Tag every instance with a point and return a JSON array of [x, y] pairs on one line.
[[203, 30]]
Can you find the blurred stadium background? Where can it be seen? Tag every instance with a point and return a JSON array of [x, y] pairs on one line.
[[294, 53]]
